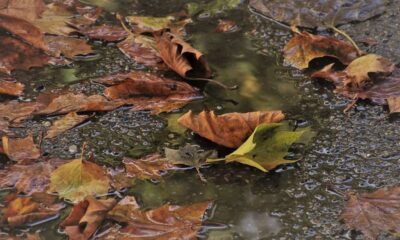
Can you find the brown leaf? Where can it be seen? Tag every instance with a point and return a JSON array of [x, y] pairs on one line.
[[20, 149], [142, 50], [166, 222], [31, 178], [71, 102], [86, 217], [143, 24], [29, 10], [67, 46], [304, 47], [65, 123], [225, 26], [8, 86], [106, 33], [14, 111], [394, 104], [230, 129], [373, 213], [149, 167], [181, 57]]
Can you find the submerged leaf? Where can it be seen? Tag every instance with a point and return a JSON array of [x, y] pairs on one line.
[[230, 129], [149, 167], [266, 148], [20, 149], [373, 213], [65, 123]]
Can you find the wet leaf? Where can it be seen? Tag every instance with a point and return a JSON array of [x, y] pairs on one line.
[[225, 26], [153, 24], [230, 129], [65, 123], [373, 213], [67, 46], [213, 7], [166, 222], [180, 56], [8, 86], [305, 47], [149, 167], [317, 13], [14, 111], [394, 104], [190, 155], [85, 217], [20, 149], [106, 33], [29, 10], [266, 148], [31, 178], [78, 179]]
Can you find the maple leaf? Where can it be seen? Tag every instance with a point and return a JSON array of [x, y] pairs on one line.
[[373, 213], [20, 149], [230, 129], [78, 179], [65, 123], [266, 148]]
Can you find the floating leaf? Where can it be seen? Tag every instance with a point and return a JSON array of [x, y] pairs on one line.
[[65, 123], [229, 130], [67, 46], [373, 213], [20, 149], [305, 47], [149, 167], [85, 217], [180, 56], [10, 87], [78, 179], [266, 148]]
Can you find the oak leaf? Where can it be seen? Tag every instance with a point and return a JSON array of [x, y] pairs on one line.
[[181, 56], [305, 47], [85, 217], [8, 86], [20, 149], [152, 166], [373, 213], [78, 179], [230, 129], [65, 123]]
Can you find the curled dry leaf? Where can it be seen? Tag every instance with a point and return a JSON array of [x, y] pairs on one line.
[[67, 46], [230, 129], [31, 178], [78, 179], [180, 56], [11, 88], [149, 167], [373, 213], [85, 217], [166, 222], [106, 33], [304, 47], [65, 123], [20, 149]]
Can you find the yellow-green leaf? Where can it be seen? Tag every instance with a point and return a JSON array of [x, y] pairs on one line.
[[266, 148], [78, 179]]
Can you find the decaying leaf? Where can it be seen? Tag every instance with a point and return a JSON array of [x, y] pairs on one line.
[[67, 46], [65, 123], [305, 47], [166, 222], [180, 56], [10, 87], [85, 217], [373, 213], [394, 104], [153, 24], [230, 129], [190, 155], [266, 148], [317, 13], [78, 179], [149, 167], [31, 178], [213, 7], [20, 149], [106, 33]]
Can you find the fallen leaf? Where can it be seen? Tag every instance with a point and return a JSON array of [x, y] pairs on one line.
[[85, 217], [149, 167], [230, 129], [373, 213], [67, 46], [165, 222], [8, 86], [142, 50], [29, 10], [71, 102], [190, 155], [225, 26], [20, 149], [305, 47], [180, 56], [394, 104], [152, 24], [266, 148], [78, 179], [317, 13], [31, 178], [213, 8], [106, 33], [14, 111], [65, 123]]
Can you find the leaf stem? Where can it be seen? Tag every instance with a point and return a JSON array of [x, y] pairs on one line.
[[345, 35], [234, 87]]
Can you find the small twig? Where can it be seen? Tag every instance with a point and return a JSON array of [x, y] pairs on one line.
[[345, 35], [350, 106], [121, 20], [234, 87]]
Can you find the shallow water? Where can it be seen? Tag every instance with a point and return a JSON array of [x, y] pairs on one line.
[[291, 202]]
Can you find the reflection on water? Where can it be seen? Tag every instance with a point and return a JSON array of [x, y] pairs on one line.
[[256, 225]]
